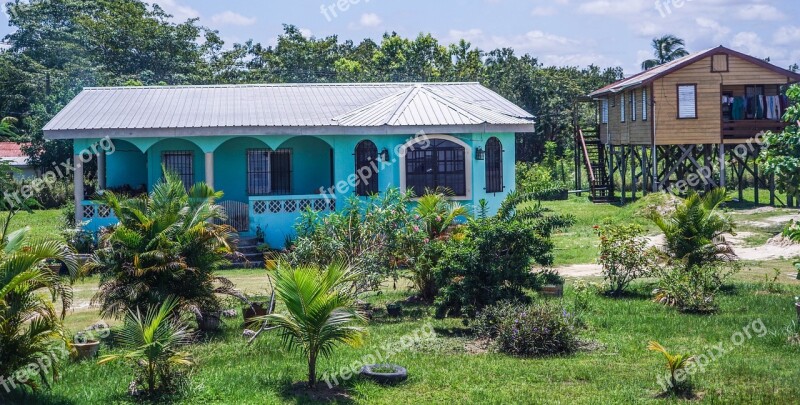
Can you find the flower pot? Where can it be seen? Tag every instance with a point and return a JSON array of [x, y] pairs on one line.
[[210, 322], [254, 310], [552, 290], [394, 310], [86, 351]]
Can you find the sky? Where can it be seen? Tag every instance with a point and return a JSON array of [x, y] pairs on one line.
[[557, 32]]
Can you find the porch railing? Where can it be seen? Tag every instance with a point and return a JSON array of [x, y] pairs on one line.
[[97, 215], [292, 205], [744, 129]]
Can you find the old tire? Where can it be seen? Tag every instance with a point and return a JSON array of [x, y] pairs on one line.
[[399, 375]]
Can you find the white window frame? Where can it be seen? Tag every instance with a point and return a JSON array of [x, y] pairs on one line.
[[684, 87], [644, 104], [604, 111], [622, 107], [633, 105]]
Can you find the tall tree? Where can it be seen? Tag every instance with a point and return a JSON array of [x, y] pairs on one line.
[[666, 49]]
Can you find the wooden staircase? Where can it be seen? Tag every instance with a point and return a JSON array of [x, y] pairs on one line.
[[594, 157]]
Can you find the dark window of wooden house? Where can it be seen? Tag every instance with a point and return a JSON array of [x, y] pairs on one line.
[[494, 166], [440, 165], [366, 168]]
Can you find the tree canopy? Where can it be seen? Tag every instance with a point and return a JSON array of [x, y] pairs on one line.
[[58, 48]]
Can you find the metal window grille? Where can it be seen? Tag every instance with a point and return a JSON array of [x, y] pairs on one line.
[[494, 166], [366, 164], [441, 165], [180, 163], [269, 172]]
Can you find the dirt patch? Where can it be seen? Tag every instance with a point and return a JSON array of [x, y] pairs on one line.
[[478, 346], [580, 270], [320, 393], [776, 248], [771, 222]]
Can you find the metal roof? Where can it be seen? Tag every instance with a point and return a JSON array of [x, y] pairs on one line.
[[269, 109], [657, 72]]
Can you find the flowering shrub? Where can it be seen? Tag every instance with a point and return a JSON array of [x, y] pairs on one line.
[[624, 255], [695, 289], [539, 329]]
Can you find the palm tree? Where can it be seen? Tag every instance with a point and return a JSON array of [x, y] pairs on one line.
[[320, 312], [7, 128], [694, 231], [154, 340], [166, 243], [28, 321], [667, 49], [675, 363]]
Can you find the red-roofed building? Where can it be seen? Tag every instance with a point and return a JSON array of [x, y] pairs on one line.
[[12, 152]]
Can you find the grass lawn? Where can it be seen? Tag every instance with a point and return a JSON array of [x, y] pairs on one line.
[[759, 370], [449, 368], [45, 224]]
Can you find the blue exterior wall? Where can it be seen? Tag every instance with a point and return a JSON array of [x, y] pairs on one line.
[[138, 160]]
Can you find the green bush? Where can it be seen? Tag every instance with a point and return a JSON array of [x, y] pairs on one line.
[[693, 290], [624, 255], [540, 329], [539, 180]]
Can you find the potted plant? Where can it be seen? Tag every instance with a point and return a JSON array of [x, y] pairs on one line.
[[86, 347], [255, 307], [552, 283], [385, 373], [260, 234]]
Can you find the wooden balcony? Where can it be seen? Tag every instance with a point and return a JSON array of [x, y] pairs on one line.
[[746, 129]]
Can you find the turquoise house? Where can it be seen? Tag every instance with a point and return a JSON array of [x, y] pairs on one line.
[[277, 150]]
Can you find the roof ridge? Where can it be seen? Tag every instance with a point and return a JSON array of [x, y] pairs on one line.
[[453, 106], [246, 85]]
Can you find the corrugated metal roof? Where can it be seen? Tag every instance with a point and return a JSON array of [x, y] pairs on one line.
[[648, 76], [171, 109]]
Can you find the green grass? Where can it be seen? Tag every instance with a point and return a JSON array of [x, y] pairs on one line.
[[45, 224], [762, 370]]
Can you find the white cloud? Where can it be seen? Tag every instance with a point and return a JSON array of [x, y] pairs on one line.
[[306, 32], [787, 35], [716, 29], [612, 7], [762, 12], [751, 44], [544, 11], [179, 11], [370, 20], [232, 18]]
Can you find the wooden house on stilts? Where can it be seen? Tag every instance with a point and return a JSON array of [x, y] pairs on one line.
[[695, 122]]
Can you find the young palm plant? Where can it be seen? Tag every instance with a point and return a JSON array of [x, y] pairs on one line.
[[29, 323], [153, 341], [166, 243], [320, 312], [694, 231], [676, 363]]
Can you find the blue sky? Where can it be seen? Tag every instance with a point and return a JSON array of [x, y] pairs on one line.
[[558, 32]]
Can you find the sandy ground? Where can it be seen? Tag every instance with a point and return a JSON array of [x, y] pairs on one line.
[[775, 248]]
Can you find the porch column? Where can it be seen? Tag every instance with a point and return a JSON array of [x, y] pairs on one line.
[[723, 172], [78, 179], [210, 169], [101, 170]]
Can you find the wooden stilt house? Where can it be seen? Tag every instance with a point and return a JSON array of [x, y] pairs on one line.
[[694, 122]]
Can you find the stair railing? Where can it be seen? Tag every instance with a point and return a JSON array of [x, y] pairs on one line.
[[588, 161]]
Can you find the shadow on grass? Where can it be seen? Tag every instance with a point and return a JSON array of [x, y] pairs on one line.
[[455, 332], [27, 397], [299, 392]]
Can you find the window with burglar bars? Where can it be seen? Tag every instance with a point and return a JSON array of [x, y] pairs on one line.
[[366, 168], [494, 166], [441, 165], [180, 163], [269, 172]]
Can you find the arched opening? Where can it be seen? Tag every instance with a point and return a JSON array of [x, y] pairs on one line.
[[366, 168], [180, 156], [437, 162], [494, 166]]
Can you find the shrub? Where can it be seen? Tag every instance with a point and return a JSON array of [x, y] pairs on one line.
[[492, 261], [695, 289], [154, 341], [624, 255], [165, 244], [694, 231], [538, 179], [540, 329], [365, 235]]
